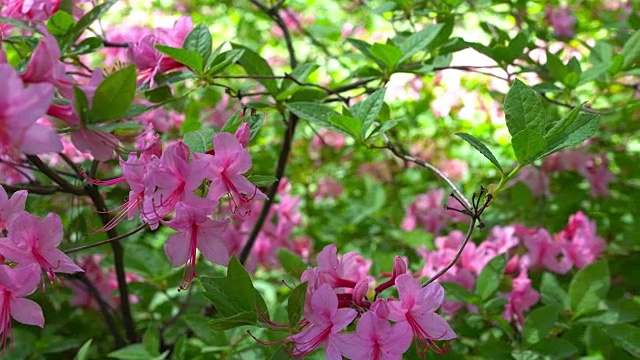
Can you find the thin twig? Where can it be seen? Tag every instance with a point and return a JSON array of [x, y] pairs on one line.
[[569, 106], [435, 277], [117, 238], [34, 189], [64, 184]]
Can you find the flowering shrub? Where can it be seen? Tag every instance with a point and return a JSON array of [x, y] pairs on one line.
[[190, 179]]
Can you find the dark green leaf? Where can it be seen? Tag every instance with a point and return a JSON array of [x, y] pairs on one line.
[[83, 353], [555, 349], [582, 128], [186, 57], [523, 109], [538, 323], [365, 49], [254, 64], [616, 312], [229, 322], [388, 54], [199, 40], [627, 335], [158, 94], [457, 292], [262, 180], [300, 74], [527, 145], [86, 46], [199, 141], [589, 287], [490, 277], [282, 354], [151, 341], [384, 127], [419, 41], [315, 113], [631, 50], [224, 60], [559, 128], [295, 305], [87, 19], [82, 103], [291, 263], [114, 95], [555, 66], [131, 352], [552, 293], [347, 125], [481, 147]]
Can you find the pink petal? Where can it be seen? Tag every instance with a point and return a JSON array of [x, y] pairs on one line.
[[408, 289], [61, 263], [51, 226], [177, 248], [27, 312], [431, 296], [434, 325], [342, 319], [40, 139]]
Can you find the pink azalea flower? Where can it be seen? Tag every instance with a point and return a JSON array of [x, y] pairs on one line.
[[454, 169], [29, 10], [561, 20], [328, 188], [196, 231], [15, 284], [20, 109], [521, 299], [45, 66], [543, 251], [598, 175], [580, 240], [427, 211], [324, 322], [416, 307], [10, 207], [376, 339], [226, 167], [343, 272], [31, 240], [11, 173]]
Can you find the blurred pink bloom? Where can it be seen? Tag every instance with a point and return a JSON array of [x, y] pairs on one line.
[[11, 172], [293, 21], [31, 240], [416, 307], [543, 251], [580, 240], [324, 322], [427, 211], [20, 109], [121, 34], [328, 188], [376, 338], [10, 207], [404, 87], [162, 120], [326, 138], [223, 111], [29, 10], [352, 31], [15, 284], [561, 20], [454, 169], [521, 298], [536, 180], [598, 175]]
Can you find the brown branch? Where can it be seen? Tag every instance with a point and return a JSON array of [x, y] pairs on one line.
[[34, 189], [117, 238], [55, 177]]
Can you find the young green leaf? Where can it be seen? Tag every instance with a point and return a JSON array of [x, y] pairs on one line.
[[365, 49], [369, 109], [388, 54], [588, 287], [186, 57], [114, 95], [347, 125], [199, 40], [524, 109], [490, 277], [419, 41], [538, 323], [262, 180], [83, 353], [224, 60], [481, 147], [295, 305], [631, 50], [583, 127], [527, 145]]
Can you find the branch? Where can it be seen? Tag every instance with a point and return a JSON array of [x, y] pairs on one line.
[[273, 13], [64, 184], [34, 189], [569, 106], [472, 225], [117, 238]]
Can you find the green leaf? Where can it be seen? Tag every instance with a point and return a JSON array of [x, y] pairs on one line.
[[262, 180], [254, 64], [151, 341], [242, 318], [159, 94], [627, 335], [314, 113], [631, 50], [583, 127], [555, 66], [282, 354], [382, 128], [300, 74], [571, 80], [459, 293], [241, 281], [616, 312], [365, 49], [82, 103], [369, 109], [199, 141], [295, 304], [86, 46], [594, 72], [255, 123], [114, 95], [291, 263], [131, 352], [524, 109], [347, 125], [180, 348], [552, 293], [224, 60], [199, 40], [186, 57], [589, 287], [527, 145], [83, 353], [388, 54], [60, 23], [490, 277], [87, 19], [481, 147], [555, 349], [419, 41], [201, 327], [561, 126], [539, 323]]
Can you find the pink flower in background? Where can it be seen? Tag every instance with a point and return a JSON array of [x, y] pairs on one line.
[[45, 66], [427, 211], [324, 322], [561, 20], [543, 251], [31, 240], [29, 10], [521, 298], [598, 175], [293, 20], [121, 34], [416, 307], [580, 240], [15, 284], [20, 109], [162, 120], [376, 338], [223, 111], [328, 188], [10, 207], [536, 180], [326, 138], [196, 231], [11, 172], [454, 169]]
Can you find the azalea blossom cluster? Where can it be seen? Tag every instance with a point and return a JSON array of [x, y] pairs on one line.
[[592, 167], [427, 211], [30, 256], [340, 292], [577, 245]]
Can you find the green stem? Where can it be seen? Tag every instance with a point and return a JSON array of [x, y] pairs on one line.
[[504, 179]]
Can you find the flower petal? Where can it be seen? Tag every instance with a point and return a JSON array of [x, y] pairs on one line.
[[27, 312]]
